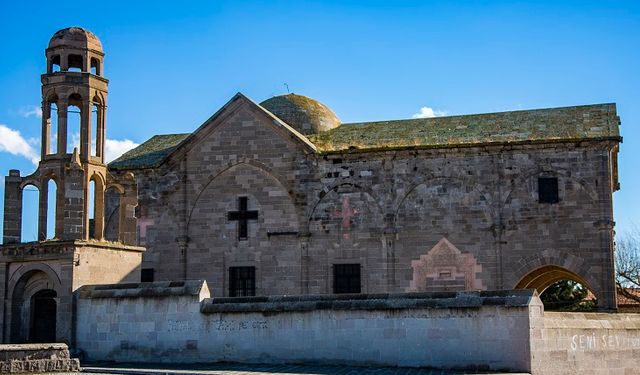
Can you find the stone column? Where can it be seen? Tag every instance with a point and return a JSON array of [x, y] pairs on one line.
[[85, 130], [390, 260], [62, 127], [12, 224], [304, 263], [46, 130], [183, 245], [3, 300], [43, 205], [607, 300]]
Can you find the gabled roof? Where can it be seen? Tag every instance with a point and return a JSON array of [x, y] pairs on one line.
[[150, 154], [588, 122], [159, 148]]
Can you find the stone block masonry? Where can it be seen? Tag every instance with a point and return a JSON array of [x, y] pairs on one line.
[[156, 322], [31, 358], [178, 322]]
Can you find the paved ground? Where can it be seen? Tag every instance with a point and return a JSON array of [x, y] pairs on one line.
[[240, 369]]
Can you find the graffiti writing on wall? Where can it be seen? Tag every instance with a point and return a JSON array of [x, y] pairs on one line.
[[599, 342]]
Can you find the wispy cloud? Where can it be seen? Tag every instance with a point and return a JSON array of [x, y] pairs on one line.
[[14, 143], [428, 112], [31, 111]]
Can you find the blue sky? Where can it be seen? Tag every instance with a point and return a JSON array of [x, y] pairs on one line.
[[171, 66]]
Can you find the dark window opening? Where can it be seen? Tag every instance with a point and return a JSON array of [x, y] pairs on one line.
[[95, 66], [146, 275], [242, 281], [75, 63], [548, 190], [346, 278], [54, 65]]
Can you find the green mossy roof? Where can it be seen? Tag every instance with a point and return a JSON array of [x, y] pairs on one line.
[[149, 154], [532, 126], [567, 124]]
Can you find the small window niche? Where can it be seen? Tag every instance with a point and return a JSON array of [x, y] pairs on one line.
[[346, 278], [242, 281], [548, 190], [147, 275]]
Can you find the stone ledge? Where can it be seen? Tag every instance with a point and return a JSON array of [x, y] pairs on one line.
[[30, 358], [156, 289], [39, 365], [466, 300]]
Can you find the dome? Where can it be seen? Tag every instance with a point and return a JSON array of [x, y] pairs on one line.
[[75, 37], [306, 115]]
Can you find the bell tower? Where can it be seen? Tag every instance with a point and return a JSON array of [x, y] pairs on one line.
[[73, 87], [74, 78], [91, 239], [74, 102]]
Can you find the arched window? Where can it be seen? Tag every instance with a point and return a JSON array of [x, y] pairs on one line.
[[54, 64], [96, 116], [51, 113], [92, 208], [75, 63], [96, 207], [52, 199], [74, 121], [30, 207], [95, 66]]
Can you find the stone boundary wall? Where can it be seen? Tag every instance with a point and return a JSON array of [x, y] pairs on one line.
[[177, 322], [30, 358], [473, 330], [586, 343]]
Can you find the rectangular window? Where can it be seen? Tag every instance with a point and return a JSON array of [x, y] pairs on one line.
[[346, 278], [147, 275], [548, 190], [242, 281]]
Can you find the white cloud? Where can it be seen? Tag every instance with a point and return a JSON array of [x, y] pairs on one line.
[[31, 111], [113, 148], [428, 112], [11, 141]]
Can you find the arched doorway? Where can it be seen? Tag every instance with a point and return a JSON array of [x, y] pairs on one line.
[[43, 317], [33, 312], [561, 282]]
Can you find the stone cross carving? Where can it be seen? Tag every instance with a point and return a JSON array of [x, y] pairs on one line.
[[242, 216]]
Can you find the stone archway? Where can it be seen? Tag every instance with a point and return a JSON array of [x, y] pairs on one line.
[[542, 278], [42, 327], [33, 294]]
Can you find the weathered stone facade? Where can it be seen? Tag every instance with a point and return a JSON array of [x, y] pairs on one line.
[[280, 198], [381, 203]]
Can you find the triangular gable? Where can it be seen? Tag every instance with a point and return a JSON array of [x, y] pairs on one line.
[[229, 109]]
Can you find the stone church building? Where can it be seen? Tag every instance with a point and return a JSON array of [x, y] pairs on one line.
[[282, 198]]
